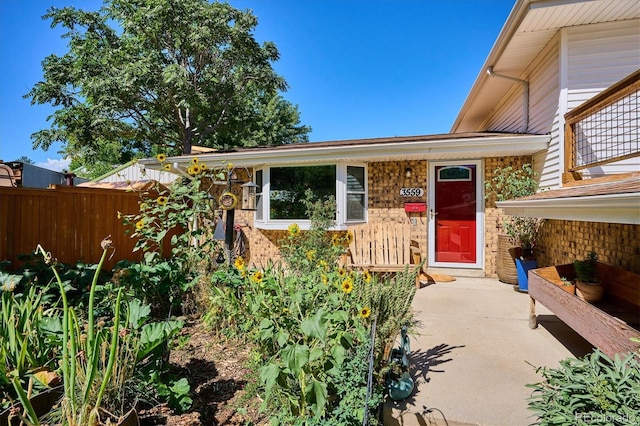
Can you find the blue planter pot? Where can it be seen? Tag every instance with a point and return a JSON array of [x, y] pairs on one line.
[[523, 267]]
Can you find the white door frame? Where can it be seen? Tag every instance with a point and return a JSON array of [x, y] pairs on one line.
[[431, 234]]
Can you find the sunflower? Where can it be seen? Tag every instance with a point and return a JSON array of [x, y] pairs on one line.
[[325, 280], [323, 264], [162, 200], [335, 240], [161, 158], [347, 286], [365, 312], [140, 224], [166, 167], [193, 170], [229, 166], [239, 263], [348, 237], [366, 276], [342, 272], [257, 277], [311, 254], [203, 167], [195, 160], [293, 229]]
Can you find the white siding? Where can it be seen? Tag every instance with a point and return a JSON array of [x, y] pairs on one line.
[[136, 172], [543, 96], [598, 56], [544, 92]]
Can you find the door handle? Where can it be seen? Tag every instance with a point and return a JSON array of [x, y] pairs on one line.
[[432, 214]]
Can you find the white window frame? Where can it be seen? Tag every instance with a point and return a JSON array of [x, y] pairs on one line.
[[341, 198]]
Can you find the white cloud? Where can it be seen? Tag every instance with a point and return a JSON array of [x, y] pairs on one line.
[[57, 164]]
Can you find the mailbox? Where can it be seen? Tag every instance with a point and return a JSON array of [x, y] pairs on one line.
[[415, 207]]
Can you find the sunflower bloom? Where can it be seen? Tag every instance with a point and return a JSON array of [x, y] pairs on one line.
[[348, 237], [162, 200], [311, 254], [193, 170], [161, 158], [257, 277], [323, 264], [342, 272], [366, 276], [325, 280], [365, 313], [239, 263], [335, 240], [166, 167], [293, 229], [203, 167], [140, 224], [347, 286], [229, 166], [195, 160]]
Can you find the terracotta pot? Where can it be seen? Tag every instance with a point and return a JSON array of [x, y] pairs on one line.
[[505, 260], [589, 292]]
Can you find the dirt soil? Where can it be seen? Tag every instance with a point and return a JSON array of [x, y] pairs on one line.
[[216, 370]]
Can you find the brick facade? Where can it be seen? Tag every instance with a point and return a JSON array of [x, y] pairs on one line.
[[560, 241], [563, 241]]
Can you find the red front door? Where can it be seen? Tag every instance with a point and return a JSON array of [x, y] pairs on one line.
[[455, 219]]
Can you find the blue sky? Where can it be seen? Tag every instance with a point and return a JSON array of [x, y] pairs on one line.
[[356, 68]]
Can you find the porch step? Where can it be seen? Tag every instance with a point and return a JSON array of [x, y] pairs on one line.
[[457, 272]]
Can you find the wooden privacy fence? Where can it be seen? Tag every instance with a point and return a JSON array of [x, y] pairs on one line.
[[69, 222]]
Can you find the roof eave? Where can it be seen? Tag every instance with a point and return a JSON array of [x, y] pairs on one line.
[[431, 149], [611, 208], [511, 25]]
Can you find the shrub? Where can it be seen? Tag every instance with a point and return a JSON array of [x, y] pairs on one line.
[[594, 390]]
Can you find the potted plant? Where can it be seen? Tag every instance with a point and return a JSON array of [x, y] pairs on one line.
[[588, 286], [518, 234]]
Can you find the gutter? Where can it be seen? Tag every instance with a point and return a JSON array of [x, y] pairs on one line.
[[525, 96]]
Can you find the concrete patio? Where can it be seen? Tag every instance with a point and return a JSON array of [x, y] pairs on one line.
[[473, 353]]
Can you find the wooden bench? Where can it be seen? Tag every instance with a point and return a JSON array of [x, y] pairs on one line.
[[608, 325], [384, 247]]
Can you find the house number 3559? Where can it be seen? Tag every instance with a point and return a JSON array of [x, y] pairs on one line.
[[411, 192]]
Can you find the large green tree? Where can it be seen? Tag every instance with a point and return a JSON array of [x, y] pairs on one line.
[[148, 76]]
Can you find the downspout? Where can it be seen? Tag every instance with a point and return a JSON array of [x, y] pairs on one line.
[[525, 95]]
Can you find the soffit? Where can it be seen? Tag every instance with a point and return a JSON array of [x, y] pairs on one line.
[[529, 28]]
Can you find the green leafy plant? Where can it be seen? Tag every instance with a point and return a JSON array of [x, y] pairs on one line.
[[507, 183], [594, 390], [308, 318], [586, 269], [174, 214], [99, 357], [26, 349]]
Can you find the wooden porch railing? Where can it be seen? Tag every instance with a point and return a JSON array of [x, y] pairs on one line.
[[605, 129]]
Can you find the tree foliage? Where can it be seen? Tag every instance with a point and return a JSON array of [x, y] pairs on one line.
[[148, 76]]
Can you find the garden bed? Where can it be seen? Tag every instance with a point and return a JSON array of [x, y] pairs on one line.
[[216, 370]]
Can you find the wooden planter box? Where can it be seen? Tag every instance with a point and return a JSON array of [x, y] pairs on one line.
[[608, 325]]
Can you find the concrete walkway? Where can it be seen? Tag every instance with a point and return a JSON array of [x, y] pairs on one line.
[[474, 353]]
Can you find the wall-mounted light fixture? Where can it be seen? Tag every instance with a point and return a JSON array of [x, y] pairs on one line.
[[408, 172]]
